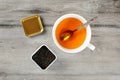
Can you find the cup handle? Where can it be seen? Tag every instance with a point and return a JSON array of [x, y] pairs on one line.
[[91, 46]]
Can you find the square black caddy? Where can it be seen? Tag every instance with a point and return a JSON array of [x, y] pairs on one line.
[[43, 57]]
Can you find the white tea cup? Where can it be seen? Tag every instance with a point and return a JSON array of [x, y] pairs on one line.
[[86, 42]]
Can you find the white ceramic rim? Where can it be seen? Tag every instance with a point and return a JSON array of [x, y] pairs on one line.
[[88, 36], [52, 53]]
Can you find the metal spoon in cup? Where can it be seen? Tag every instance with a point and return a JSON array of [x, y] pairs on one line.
[[67, 34]]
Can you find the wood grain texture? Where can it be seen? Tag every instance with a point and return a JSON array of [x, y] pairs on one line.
[[16, 48]]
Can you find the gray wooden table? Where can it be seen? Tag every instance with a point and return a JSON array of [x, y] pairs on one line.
[[16, 48]]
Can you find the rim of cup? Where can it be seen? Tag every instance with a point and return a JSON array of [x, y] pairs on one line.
[[88, 34]]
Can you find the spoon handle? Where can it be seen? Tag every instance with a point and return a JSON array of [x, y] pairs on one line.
[[87, 23]]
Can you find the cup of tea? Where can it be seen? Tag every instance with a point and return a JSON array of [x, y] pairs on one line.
[[79, 40]]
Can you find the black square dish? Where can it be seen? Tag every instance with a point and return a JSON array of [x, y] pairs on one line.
[[43, 56]]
